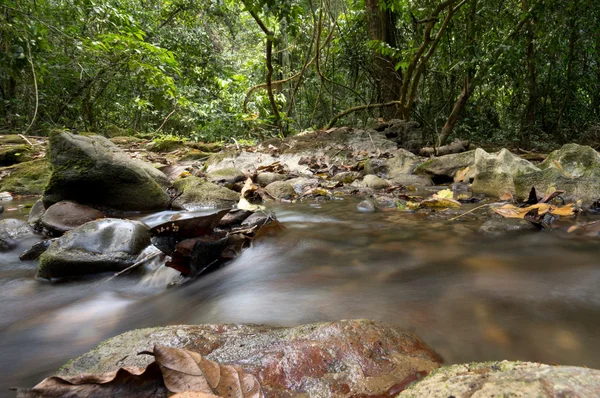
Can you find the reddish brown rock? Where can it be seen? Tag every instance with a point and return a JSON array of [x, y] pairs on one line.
[[357, 358], [65, 216]]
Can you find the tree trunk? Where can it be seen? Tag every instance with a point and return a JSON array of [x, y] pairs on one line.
[[381, 26], [529, 118]]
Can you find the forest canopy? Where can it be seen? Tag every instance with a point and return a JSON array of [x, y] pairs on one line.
[[518, 71]]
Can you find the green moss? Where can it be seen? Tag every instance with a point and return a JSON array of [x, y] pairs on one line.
[[205, 147], [28, 178], [11, 139], [126, 140], [166, 143], [13, 154]]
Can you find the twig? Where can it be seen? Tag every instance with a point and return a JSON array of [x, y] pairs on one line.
[[36, 91], [25, 139], [131, 267], [470, 211], [166, 120]]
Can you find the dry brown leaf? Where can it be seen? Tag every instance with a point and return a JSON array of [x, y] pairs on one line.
[[193, 394], [505, 197], [125, 382], [511, 211], [460, 175], [185, 370]]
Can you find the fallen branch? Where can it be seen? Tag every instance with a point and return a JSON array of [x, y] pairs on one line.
[[470, 211], [134, 266], [456, 147], [359, 108]]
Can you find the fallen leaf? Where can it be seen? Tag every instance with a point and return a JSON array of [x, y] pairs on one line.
[[439, 203], [185, 370], [444, 194], [461, 174], [511, 211], [506, 197]]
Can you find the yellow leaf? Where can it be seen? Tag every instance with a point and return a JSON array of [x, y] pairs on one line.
[[511, 211], [444, 194], [437, 203], [461, 174]]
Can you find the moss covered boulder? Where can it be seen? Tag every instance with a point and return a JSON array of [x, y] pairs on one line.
[[446, 165], [28, 178], [358, 358], [93, 171], [507, 379], [11, 154], [226, 177], [573, 168], [106, 245], [197, 193]]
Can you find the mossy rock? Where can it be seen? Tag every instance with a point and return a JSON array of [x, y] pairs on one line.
[[28, 178], [12, 154], [574, 161], [166, 144], [126, 140], [195, 154], [210, 147], [112, 131], [11, 139], [198, 193], [446, 165]]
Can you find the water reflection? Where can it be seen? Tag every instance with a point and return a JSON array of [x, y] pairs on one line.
[[528, 297]]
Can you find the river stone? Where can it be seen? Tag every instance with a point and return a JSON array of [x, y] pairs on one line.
[[412, 180], [446, 165], [366, 206], [280, 190], [402, 163], [498, 225], [35, 214], [357, 358], [198, 193], [94, 171], [265, 178], [374, 182], [226, 177], [65, 215], [507, 379], [494, 173], [346, 177], [12, 229], [98, 246], [574, 161]]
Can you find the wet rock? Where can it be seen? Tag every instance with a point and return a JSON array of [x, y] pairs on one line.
[[281, 190], [10, 231], [11, 154], [226, 177], [65, 216], [98, 246], [500, 225], [35, 251], [1, 209], [573, 168], [27, 178], [494, 173], [346, 177], [412, 180], [366, 206], [374, 182], [234, 217], [338, 359], [93, 171], [265, 178], [35, 215], [446, 165], [256, 219], [198, 193], [5, 196], [507, 379]]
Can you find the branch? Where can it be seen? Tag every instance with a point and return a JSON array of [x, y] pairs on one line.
[[359, 108], [36, 88]]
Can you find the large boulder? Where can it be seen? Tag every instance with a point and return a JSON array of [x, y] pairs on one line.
[[27, 178], [447, 165], [197, 193], [226, 177], [98, 246], [573, 168], [65, 216], [93, 171], [507, 379], [339, 359], [494, 172], [11, 230]]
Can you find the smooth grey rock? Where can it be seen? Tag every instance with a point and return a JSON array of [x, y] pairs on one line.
[[99, 246], [374, 182], [366, 206], [402, 163], [265, 178], [66, 215], [93, 171], [35, 214], [499, 225], [198, 193], [10, 231], [412, 180], [507, 379], [446, 165], [281, 190]]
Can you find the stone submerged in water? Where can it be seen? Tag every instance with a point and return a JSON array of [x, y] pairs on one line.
[[65, 216], [10, 231], [507, 379], [98, 246], [93, 171], [366, 206], [358, 357]]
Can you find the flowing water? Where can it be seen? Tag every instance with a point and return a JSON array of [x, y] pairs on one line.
[[531, 296]]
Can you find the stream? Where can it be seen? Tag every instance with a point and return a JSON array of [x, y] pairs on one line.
[[529, 296]]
